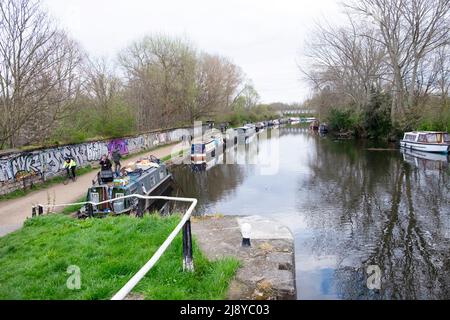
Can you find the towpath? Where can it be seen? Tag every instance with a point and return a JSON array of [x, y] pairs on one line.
[[14, 212]]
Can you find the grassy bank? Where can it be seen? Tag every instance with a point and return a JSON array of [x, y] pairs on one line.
[[34, 260]]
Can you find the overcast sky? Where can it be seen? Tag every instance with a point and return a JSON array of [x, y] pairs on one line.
[[265, 38]]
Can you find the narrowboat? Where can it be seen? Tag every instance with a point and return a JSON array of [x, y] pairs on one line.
[[203, 152], [147, 177], [428, 141], [259, 126], [294, 120], [245, 131], [323, 128], [245, 134], [314, 125]]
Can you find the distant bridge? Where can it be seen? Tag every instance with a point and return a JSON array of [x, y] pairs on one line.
[[298, 111]]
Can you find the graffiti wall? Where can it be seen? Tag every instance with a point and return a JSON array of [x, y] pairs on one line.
[[46, 163]]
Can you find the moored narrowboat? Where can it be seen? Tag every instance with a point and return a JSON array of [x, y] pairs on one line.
[[202, 152], [147, 177], [259, 126], [323, 128]]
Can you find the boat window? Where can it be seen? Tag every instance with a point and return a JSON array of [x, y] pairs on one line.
[[161, 174], [152, 181], [432, 138], [446, 137], [422, 138], [410, 137]]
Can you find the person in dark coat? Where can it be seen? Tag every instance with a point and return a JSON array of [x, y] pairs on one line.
[[116, 156], [105, 174], [105, 163]]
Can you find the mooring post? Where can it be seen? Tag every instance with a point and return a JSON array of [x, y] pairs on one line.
[[140, 210], [188, 263], [90, 209], [33, 212], [40, 210]]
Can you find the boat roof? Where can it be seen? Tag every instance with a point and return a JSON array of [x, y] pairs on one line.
[[427, 132]]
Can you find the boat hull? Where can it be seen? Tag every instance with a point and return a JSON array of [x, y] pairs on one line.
[[426, 147]]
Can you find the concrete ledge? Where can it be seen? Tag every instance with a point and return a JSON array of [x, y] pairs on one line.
[[267, 269]]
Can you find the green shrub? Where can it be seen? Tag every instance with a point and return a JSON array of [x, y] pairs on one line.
[[377, 116], [342, 120], [85, 123]]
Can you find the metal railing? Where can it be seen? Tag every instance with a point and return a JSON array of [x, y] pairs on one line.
[[185, 224]]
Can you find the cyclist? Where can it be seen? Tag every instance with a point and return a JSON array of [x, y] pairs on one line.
[[70, 166]]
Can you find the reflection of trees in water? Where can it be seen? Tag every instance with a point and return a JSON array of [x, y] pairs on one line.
[[380, 210], [207, 186]]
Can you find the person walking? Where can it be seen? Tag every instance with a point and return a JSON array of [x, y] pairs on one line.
[[116, 156]]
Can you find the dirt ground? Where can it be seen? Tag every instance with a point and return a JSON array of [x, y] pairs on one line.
[[14, 212]]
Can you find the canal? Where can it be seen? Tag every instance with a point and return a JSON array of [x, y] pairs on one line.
[[349, 205]]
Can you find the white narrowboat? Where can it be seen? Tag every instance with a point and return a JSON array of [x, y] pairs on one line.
[[246, 131], [428, 141]]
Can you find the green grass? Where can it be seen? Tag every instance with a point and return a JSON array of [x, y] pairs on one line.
[[34, 260], [73, 208]]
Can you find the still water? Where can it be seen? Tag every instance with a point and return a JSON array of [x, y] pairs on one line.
[[348, 205]]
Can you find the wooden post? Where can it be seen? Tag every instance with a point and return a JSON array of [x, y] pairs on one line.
[[188, 263], [33, 212]]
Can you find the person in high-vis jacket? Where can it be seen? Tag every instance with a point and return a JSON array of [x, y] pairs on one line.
[[70, 166]]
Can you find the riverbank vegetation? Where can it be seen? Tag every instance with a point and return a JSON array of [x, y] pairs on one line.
[[52, 92], [108, 252], [383, 71]]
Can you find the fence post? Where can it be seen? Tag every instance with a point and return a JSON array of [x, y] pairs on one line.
[[40, 210], [188, 263]]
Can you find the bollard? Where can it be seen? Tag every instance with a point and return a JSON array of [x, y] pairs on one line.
[[40, 210], [188, 263], [246, 228], [33, 212]]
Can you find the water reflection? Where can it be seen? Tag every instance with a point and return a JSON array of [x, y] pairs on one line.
[[349, 207]]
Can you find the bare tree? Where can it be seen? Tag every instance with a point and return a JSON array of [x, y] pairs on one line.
[[170, 83], [217, 81], [102, 85], [37, 69], [161, 75], [409, 30], [346, 63]]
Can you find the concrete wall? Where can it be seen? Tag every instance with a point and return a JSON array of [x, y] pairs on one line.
[[34, 166]]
